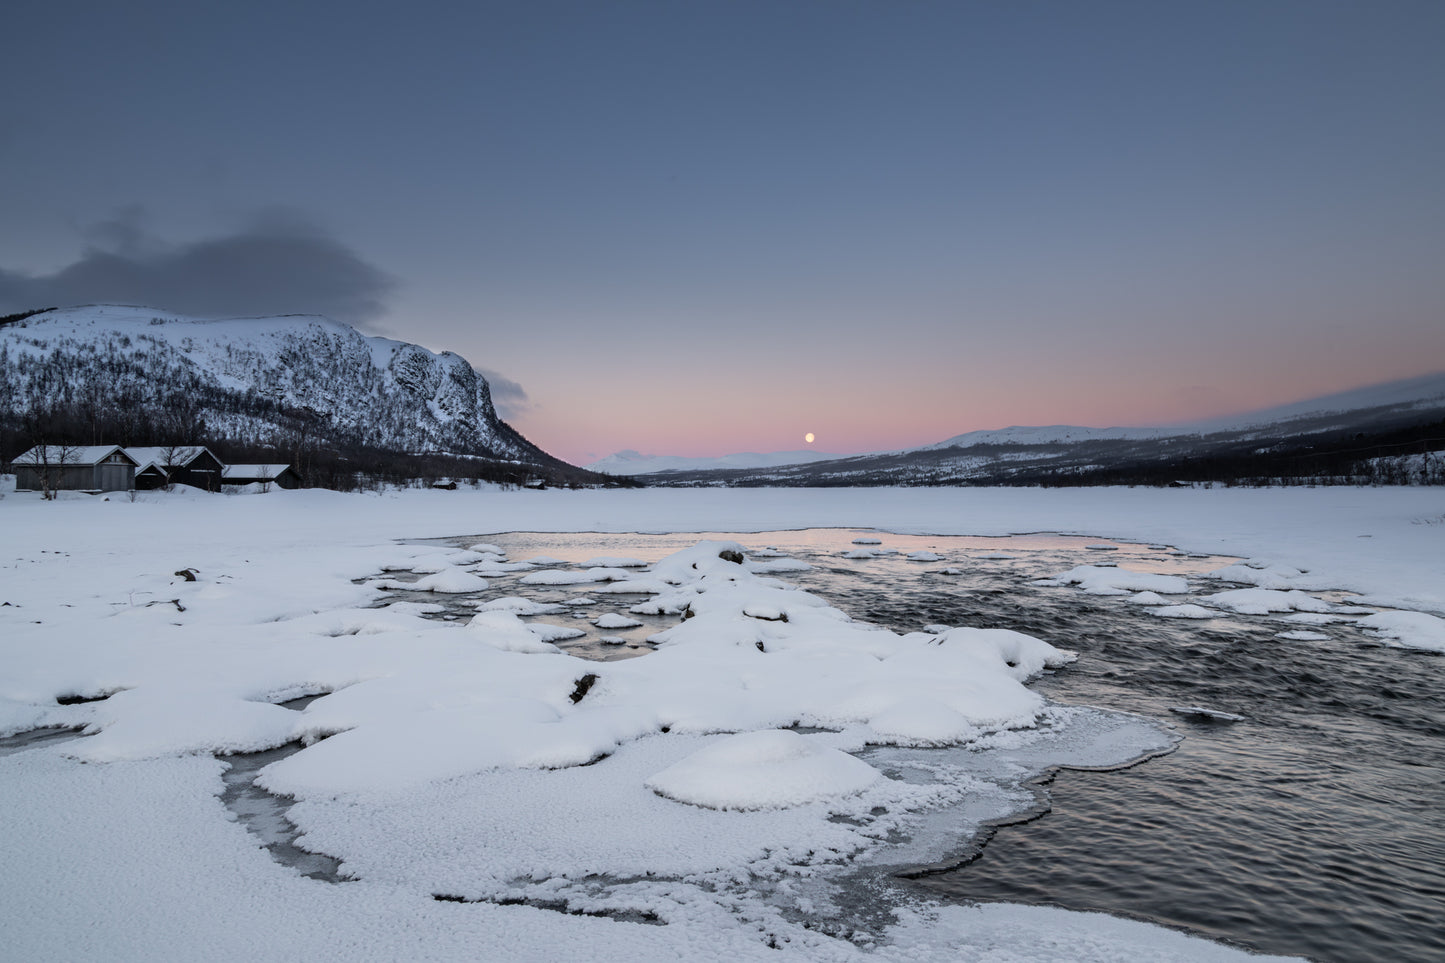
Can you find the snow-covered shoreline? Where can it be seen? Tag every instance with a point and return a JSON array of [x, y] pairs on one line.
[[113, 858]]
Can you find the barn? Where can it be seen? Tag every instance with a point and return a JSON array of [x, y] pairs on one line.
[[82, 468]]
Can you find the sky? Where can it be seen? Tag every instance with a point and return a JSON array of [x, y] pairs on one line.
[[698, 228]]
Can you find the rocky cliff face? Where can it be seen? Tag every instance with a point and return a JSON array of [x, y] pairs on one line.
[[252, 379]]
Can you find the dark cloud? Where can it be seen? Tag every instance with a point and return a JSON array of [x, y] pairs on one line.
[[509, 397], [278, 264]]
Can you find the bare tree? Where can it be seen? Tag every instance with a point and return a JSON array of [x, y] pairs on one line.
[[50, 462]]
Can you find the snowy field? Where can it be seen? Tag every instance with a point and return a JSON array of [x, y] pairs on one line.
[[709, 800]]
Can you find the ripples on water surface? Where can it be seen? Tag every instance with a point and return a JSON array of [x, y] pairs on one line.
[[1312, 827]]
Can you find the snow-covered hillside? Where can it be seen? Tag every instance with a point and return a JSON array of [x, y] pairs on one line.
[[1420, 393], [253, 379]]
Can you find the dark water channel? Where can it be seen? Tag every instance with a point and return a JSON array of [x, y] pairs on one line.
[[1314, 826]]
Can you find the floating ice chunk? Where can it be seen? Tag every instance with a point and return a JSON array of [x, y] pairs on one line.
[[537, 561], [612, 640], [1257, 601], [1278, 577], [520, 606], [860, 553], [1300, 635], [555, 633], [1183, 612], [1104, 580], [1148, 598], [486, 548], [924, 557], [950, 570], [554, 576], [867, 540], [451, 581], [578, 601], [614, 621], [922, 723], [1201, 714], [472, 558], [1415, 630], [770, 769]]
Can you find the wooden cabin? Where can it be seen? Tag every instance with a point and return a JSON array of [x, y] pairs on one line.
[[81, 468], [192, 465]]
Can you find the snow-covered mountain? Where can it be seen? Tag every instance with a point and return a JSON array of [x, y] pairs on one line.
[[252, 379], [634, 463]]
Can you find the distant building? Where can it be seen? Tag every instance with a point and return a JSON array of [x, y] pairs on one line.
[[192, 465], [282, 476], [83, 468]]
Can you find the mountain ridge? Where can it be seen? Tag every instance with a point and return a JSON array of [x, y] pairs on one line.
[[280, 381]]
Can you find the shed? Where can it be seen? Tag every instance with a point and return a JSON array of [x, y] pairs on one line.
[[192, 465], [282, 476], [93, 468]]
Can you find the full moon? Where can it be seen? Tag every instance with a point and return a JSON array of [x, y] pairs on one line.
[[808, 437]]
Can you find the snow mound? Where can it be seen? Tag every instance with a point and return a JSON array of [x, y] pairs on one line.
[[1259, 601], [612, 620], [520, 606], [770, 769], [1413, 630], [450, 581]]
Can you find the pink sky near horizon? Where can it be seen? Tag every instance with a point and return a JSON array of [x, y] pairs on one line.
[[711, 413]]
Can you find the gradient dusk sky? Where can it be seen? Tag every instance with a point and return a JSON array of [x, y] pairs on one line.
[[696, 228]]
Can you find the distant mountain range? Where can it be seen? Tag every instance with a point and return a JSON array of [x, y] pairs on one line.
[[133, 375], [1366, 434]]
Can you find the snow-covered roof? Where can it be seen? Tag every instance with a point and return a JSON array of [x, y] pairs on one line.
[[158, 455], [259, 472], [55, 455]]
